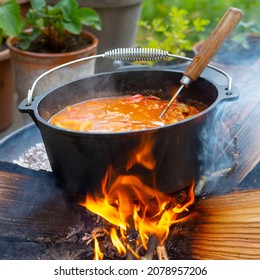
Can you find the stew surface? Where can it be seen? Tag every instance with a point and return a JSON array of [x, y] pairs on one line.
[[118, 114]]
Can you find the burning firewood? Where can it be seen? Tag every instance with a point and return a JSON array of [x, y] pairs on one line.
[[155, 249], [132, 238], [152, 244], [35, 226], [162, 253]]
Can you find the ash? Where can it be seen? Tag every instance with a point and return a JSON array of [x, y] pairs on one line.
[[35, 158]]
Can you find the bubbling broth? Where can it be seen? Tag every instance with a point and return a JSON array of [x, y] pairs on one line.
[[124, 113]]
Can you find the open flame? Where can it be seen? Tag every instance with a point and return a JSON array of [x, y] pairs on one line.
[[137, 212]]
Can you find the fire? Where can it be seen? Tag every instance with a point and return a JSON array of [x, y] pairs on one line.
[[117, 242], [136, 209], [98, 254]]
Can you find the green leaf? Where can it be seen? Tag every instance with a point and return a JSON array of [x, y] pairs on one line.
[[40, 23], [161, 29], [24, 45], [143, 23], [10, 19], [177, 13], [69, 9], [200, 24], [25, 39], [37, 4], [89, 17], [73, 27], [54, 10], [31, 36], [156, 23], [31, 19]]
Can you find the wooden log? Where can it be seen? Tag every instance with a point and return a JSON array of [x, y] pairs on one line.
[[37, 219], [223, 227], [32, 205]]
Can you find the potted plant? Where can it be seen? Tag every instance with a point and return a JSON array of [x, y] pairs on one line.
[[176, 33], [10, 22], [119, 26], [52, 35]]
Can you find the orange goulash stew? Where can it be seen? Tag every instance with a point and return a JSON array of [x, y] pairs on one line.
[[125, 113]]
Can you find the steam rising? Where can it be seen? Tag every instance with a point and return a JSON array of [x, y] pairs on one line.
[[239, 120]]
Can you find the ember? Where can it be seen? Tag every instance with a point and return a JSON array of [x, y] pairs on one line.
[[140, 216]]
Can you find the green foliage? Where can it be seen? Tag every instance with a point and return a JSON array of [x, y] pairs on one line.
[[10, 19], [65, 16], [212, 10], [171, 33]]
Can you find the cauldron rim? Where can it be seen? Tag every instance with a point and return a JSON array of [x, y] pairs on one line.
[[34, 111]]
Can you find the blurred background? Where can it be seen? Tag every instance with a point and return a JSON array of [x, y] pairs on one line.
[[210, 10]]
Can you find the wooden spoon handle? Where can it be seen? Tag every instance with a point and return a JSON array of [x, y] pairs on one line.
[[213, 43]]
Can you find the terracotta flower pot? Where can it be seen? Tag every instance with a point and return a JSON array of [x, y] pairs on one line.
[[6, 90], [27, 66]]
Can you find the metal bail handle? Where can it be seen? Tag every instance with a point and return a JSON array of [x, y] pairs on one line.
[[127, 54]]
